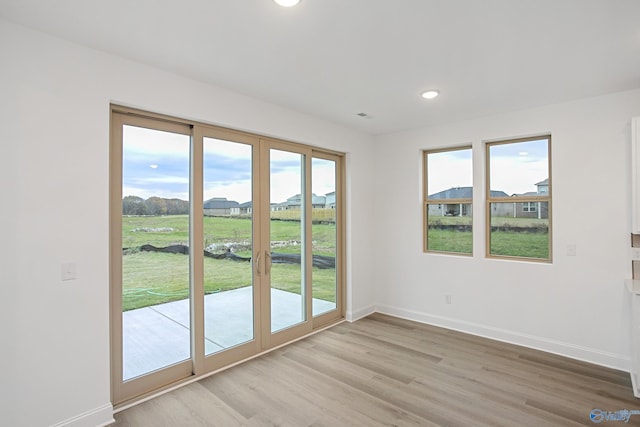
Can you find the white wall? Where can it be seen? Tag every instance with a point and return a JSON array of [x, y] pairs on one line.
[[576, 306], [54, 167]]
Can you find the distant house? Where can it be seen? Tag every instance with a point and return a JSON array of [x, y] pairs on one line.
[[219, 206], [294, 202], [533, 209], [543, 187], [455, 209], [514, 210], [330, 200], [245, 208]]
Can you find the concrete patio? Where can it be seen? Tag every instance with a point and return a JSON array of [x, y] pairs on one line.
[[158, 336]]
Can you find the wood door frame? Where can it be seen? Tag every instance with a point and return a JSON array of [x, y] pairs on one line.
[[340, 218]]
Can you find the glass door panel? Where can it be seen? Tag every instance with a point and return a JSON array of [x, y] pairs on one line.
[[228, 244], [286, 255], [323, 235], [156, 330]]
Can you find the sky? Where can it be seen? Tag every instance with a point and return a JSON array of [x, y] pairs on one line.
[[156, 163], [515, 168]]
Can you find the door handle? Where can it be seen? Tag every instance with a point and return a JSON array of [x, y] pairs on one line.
[[258, 263], [267, 267]]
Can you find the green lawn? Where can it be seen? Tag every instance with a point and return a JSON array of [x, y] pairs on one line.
[[495, 221], [450, 241], [219, 230], [526, 244], [151, 278]]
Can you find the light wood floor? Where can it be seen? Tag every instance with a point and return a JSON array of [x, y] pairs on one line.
[[386, 371]]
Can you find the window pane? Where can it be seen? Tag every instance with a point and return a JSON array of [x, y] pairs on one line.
[[519, 168], [449, 184], [288, 211], [228, 226], [450, 174], [323, 245], [155, 246], [520, 233], [451, 231]]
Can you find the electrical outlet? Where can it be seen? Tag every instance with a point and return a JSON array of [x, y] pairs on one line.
[[447, 299]]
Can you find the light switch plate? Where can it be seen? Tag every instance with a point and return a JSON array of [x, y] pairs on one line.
[[68, 271]]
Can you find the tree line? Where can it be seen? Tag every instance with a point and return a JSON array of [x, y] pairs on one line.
[[134, 205]]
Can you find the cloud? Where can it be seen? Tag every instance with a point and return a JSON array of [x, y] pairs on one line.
[[515, 167], [448, 169], [156, 163]]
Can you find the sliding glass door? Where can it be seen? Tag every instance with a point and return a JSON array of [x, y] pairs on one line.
[[150, 254], [223, 245], [285, 282], [226, 276]]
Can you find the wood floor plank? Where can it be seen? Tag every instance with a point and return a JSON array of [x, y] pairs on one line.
[[385, 371], [192, 406], [326, 392]]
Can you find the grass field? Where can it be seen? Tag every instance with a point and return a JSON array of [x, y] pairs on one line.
[[527, 245], [495, 221], [450, 241], [218, 230], [534, 244], [151, 278]]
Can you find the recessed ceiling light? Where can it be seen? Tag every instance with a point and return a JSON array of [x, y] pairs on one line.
[[287, 3], [430, 94]]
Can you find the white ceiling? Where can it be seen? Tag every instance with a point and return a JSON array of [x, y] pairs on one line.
[[336, 58]]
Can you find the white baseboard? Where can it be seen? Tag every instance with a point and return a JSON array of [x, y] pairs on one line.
[[99, 417], [572, 351], [352, 316]]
